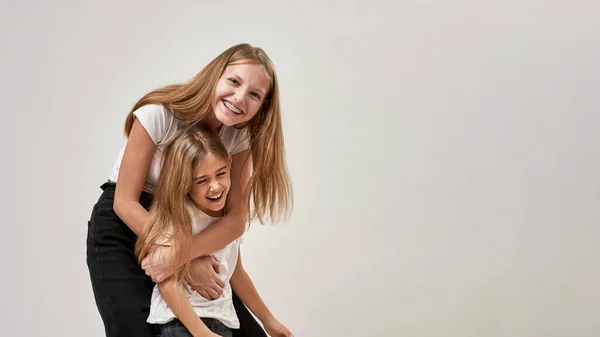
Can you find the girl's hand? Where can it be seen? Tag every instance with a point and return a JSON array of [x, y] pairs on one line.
[[276, 329], [204, 272], [159, 264]]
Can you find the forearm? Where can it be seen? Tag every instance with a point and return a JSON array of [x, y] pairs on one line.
[[172, 292], [133, 214], [243, 286], [219, 234]]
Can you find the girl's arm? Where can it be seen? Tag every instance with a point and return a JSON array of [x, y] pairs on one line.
[[132, 175], [242, 285], [171, 290]]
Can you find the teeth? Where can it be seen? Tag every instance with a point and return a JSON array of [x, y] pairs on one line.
[[232, 108], [215, 197]]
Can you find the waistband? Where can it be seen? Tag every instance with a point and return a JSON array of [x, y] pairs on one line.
[[109, 188]]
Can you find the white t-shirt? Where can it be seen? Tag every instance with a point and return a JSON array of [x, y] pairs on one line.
[[222, 308], [160, 124]]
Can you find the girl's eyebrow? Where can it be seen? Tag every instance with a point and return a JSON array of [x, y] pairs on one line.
[[262, 91], [204, 176]]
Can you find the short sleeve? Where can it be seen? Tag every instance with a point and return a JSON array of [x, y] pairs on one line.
[[156, 120], [235, 140]]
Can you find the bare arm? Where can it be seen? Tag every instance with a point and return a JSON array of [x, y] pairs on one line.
[[172, 292], [233, 224], [132, 175], [242, 285]]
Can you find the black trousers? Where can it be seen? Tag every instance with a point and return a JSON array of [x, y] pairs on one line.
[[121, 288]]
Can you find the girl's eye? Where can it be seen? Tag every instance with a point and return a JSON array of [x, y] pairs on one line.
[[221, 174], [255, 95], [200, 182], [234, 81]]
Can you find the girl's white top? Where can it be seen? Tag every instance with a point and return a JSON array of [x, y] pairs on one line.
[[221, 308]]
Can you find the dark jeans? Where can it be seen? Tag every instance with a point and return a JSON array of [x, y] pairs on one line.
[[121, 288], [176, 329]]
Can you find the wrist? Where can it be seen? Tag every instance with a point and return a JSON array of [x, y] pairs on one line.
[[266, 318], [197, 248], [177, 261]]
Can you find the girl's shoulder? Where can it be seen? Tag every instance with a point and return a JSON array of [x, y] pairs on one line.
[[155, 110], [235, 140], [200, 220], [157, 119]]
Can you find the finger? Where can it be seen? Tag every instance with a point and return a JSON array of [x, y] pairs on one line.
[[145, 263], [216, 265], [160, 277], [155, 277], [150, 260], [213, 294], [220, 283], [204, 294], [217, 289], [152, 274]]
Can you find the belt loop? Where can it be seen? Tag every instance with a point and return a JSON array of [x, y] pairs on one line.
[[107, 184]]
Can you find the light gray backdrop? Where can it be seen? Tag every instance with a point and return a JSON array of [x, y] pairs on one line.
[[444, 156]]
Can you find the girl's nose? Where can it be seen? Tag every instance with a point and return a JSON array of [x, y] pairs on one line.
[[213, 186], [238, 97]]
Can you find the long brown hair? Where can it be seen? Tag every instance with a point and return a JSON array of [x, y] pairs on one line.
[[269, 187], [169, 219]]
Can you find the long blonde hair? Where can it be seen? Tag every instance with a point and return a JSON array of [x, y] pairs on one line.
[[169, 219], [269, 187]]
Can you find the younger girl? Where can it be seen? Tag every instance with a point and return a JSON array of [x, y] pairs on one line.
[[190, 195]]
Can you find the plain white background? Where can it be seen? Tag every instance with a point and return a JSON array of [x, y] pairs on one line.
[[444, 156]]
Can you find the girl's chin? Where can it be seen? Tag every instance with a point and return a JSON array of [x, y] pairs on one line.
[[225, 120], [212, 208]]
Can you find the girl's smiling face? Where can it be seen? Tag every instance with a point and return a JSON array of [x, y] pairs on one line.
[[239, 93], [210, 183]]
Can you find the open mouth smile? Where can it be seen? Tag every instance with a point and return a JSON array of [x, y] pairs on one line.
[[232, 108]]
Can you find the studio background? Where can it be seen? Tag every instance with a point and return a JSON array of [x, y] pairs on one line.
[[444, 156]]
